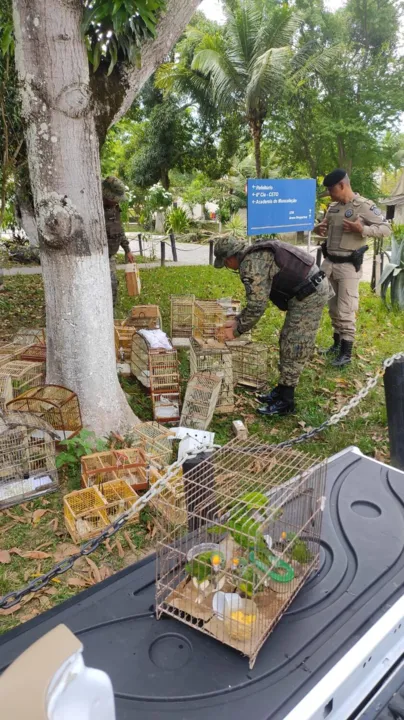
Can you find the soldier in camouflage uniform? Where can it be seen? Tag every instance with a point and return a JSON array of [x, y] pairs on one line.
[[260, 275], [113, 193]]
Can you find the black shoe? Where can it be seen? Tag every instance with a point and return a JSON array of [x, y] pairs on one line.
[[278, 407], [334, 349], [271, 396], [345, 354]]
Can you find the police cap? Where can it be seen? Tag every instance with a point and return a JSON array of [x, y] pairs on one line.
[[226, 247], [334, 177]]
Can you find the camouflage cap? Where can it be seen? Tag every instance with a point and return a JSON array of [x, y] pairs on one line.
[[113, 189], [226, 247]]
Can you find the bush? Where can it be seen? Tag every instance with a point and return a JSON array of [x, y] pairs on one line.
[[19, 250], [157, 198], [236, 226], [177, 221]]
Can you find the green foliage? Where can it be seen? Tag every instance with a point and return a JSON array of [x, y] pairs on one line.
[[393, 275], [398, 232], [236, 226], [85, 443], [115, 29], [228, 206], [177, 221]]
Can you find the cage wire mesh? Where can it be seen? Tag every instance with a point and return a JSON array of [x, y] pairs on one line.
[[200, 400], [231, 564], [27, 458], [155, 440], [85, 513], [6, 391], [216, 360], [169, 509], [144, 317], [164, 385], [182, 315], [24, 375], [10, 352], [123, 340], [129, 465], [53, 403], [250, 363], [119, 496], [209, 321]]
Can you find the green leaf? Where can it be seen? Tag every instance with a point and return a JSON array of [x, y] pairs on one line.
[[96, 56], [387, 271]]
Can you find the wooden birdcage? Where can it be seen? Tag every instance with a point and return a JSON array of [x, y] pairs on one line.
[[128, 465], [85, 513], [250, 363], [200, 400], [123, 340], [209, 320], [182, 317], [144, 317], [55, 404], [250, 540], [30, 336], [169, 506], [216, 360], [10, 352], [27, 458], [24, 375], [156, 442], [6, 391], [157, 369], [34, 353], [119, 497]]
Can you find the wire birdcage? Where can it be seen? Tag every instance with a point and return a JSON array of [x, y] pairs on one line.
[[123, 340], [216, 360], [144, 317], [24, 375], [85, 513], [27, 458], [182, 316], [156, 442], [34, 353], [6, 391], [157, 369], [200, 400], [250, 363], [169, 506], [250, 540], [55, 404], [30, 336], [128, 465], [209, 321], [10, 352]]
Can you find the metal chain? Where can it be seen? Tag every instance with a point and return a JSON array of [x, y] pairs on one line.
[[13, 598]]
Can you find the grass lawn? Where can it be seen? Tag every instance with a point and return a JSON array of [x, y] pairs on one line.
[[42, 538]]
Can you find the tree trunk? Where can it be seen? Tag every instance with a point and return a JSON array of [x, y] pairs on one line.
[[64, 166], [164, 178], [256, 133]]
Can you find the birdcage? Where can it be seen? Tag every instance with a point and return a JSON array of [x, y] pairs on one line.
[[53, 403], [169, 507], [230, 306], [34, 353], [157, 369], [9, 352], [182, 317], [119, 497], [250, 363], [27, 458], [6, 391], [144, 317], [200, 400], [128, 465], [85, 513], [156, 442], [30, 336], [216, 360], [24, 375], [250, 541], [123, 340], [209, 320]]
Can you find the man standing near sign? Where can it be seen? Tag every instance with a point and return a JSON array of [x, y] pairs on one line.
[[349, 222], [286, 275]]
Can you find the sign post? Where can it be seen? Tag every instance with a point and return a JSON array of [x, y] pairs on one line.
[[280, 206]]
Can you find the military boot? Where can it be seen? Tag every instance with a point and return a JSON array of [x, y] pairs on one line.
[[345, 354], [284, 404], [273, 395], [334, 349]]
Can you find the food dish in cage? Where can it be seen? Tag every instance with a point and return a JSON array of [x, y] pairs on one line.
[[258, 510]]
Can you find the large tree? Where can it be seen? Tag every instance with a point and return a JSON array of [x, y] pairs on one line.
[[68, 107]]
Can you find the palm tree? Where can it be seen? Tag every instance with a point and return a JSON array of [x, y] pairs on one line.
[[245, 67]]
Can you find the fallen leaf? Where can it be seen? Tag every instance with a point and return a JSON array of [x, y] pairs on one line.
[[45, 502], [11, 610], [77, 582], [50, 591], [29, 616], [23, 521], [45, 544], [94, 570], [36, 555], [5, 557], [53, 524], [105, 572], [25, 508], [302, 423], [16, 551], [121, 552], [129, 541], [36, 516], [65, 550]]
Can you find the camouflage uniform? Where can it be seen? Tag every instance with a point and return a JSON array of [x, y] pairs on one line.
[[257, 271], [114, 190]]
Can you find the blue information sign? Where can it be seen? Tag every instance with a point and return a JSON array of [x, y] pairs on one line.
[[280, 206]]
